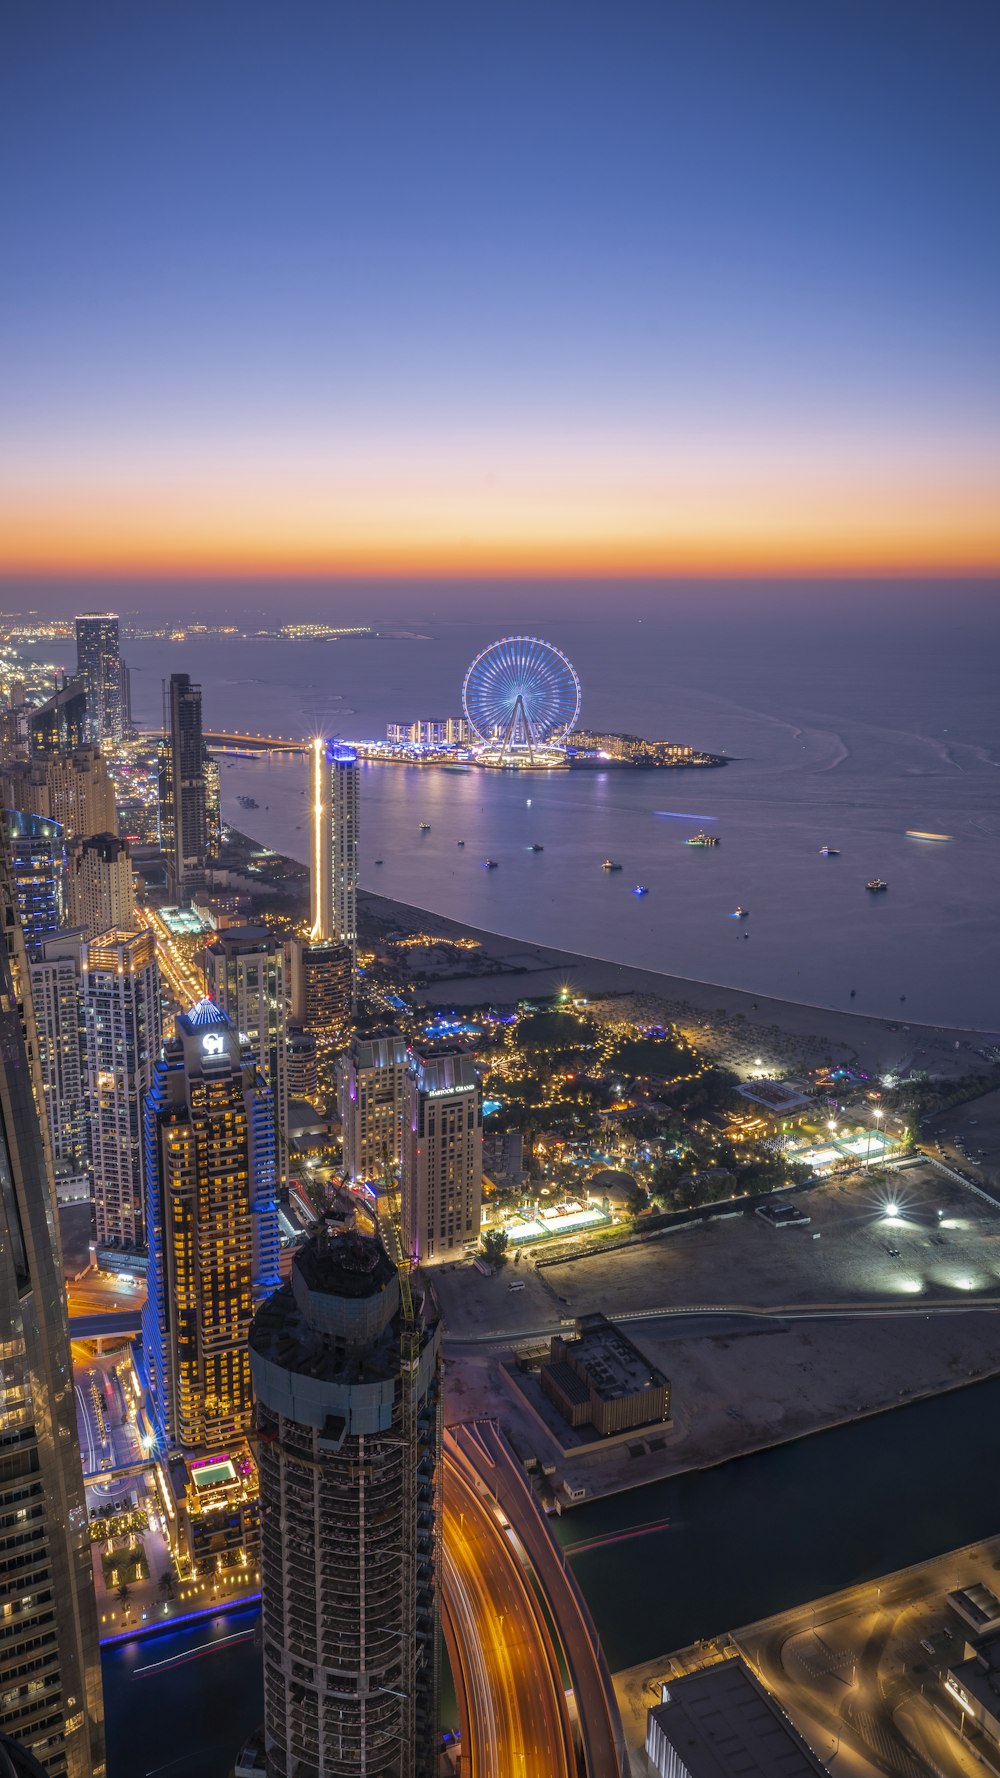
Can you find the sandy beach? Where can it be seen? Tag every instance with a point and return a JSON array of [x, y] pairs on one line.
[[727, 1023]]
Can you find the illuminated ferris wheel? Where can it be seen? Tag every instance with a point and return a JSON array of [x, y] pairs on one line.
[[521, 694]]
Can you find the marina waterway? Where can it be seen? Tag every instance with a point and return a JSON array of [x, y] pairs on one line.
[[734, 1544]]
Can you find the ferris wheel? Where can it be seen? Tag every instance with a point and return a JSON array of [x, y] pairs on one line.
[[521, 693]]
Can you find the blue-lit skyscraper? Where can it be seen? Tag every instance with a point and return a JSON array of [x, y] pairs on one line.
[[212, 1228], [38, 859], [333, 871]]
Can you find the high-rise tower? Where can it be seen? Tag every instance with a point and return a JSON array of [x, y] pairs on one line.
[[183, 809], [56, 992], [347, 1379], [122, 1025], [73, 789], [37, 854], [442, 1173], [370, 1077], [100, 890], [212, 1224], [50, 1673], [99, 663], [59, 726], [334, 860], [245, 976]]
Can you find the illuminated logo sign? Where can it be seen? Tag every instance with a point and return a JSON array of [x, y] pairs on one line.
[[212, 1043]]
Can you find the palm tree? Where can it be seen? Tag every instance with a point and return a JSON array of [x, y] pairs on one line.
[[124, 1597], [167, 1583]]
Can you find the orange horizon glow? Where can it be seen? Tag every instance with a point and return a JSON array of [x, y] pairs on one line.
[[865, 536]]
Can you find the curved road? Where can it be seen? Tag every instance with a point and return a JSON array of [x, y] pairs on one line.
[[512, 1705], [875, 1308]]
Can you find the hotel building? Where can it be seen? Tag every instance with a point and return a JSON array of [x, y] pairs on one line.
[[442, 1172]]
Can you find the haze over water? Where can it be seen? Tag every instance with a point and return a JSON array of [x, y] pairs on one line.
[[846, 727]]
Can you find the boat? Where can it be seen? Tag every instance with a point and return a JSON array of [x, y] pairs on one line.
[[248, 802], [378, 861], [702, 839], [742, 913], [537, 848], [489, 864], [876, 885], [609, 864], [640, 889], [460, 842], [425, 827], [829, 852]]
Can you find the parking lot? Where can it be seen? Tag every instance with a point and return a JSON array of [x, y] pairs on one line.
[[915, 1235]]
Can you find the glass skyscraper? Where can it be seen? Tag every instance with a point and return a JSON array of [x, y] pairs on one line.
[[99, 663], [50, 1673], [184, 836], [38, 866]]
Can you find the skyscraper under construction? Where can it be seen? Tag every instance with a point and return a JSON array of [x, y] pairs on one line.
[[50, 1674], [346, 1367]]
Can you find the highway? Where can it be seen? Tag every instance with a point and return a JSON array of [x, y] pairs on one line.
[[504, 1706], [512, 1707]]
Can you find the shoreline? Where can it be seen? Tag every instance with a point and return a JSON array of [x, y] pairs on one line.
[[881, 1041]]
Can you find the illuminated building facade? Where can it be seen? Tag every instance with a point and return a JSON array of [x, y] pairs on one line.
[[38, 862], [301, 1070], [245, 976], [321, 986], [99, 664], [371, 1075], [453, 731], [73, 789], [442, 1172], [182, 798], [212, 1227], [50, 1672], [212, 1510], [122, 1029], [60, 725], [100, 889], [348, 1447], [213, 809], [56, 992], [334, 860]]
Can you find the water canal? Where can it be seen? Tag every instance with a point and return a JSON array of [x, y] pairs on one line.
[[741, 1541]]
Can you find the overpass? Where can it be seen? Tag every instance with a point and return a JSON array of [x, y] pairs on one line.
[[104, 1322], [511, 1701], [481, 1476], [226, 741]]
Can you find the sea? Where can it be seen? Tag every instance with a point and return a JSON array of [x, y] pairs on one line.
[[876, 734]]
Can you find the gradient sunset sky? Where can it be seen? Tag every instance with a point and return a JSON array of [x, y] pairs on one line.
[[408, 287]]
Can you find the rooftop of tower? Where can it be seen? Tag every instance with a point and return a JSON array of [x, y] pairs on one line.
[[348, 1264], [204, 1012], [336, 1318]]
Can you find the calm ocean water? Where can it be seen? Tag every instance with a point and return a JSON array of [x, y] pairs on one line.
[[842, 733]]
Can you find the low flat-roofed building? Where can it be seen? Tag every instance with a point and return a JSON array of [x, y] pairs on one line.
[[721, 1723], [779, 1096], [974, 1684], [213, 1510], [598, 1377], [978, 1607]]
